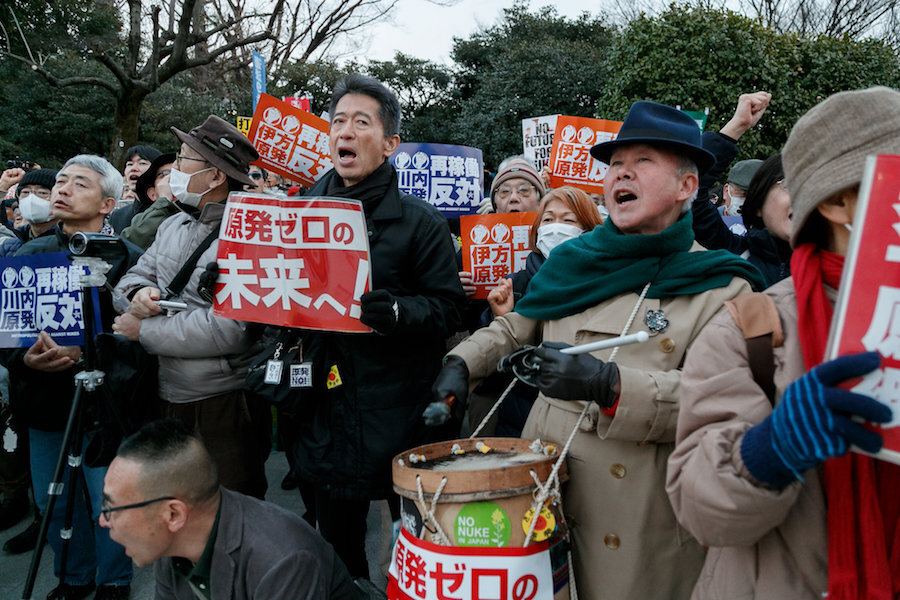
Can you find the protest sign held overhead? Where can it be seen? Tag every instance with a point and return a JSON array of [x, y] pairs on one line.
[[537, 139], [42, 292], [290, 141], [867, 313], [450, 178], [301, 102], [293, 262], [494, 246], [571, 162]]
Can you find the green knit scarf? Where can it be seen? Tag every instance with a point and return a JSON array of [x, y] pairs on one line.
[[605, 263]]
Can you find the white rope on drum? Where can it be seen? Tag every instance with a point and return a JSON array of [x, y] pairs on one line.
[[438, 536], [544, 489], [494, 408]]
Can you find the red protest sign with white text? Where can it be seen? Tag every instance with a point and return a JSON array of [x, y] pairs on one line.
[[293, 262], [493, 246], [301, 102], [290, 141], [571, 162], [867, 313], [421, 570]]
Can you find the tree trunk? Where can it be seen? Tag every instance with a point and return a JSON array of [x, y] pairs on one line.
[[126, 123]]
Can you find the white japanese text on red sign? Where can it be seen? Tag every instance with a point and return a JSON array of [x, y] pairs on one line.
[[283, 227]]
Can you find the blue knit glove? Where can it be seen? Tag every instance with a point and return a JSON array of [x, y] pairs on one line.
[[813, 422]]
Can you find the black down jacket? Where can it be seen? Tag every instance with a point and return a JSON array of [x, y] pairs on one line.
[[346, 435]]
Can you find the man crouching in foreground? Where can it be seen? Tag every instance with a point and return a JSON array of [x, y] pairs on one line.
[[162, 501]]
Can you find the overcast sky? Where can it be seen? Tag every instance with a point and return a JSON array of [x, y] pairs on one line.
[[424, 30]]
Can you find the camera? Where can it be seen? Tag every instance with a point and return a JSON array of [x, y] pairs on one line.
[[20, 163], [96, 244]]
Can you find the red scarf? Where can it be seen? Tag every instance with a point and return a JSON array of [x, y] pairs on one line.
[[862, 493]]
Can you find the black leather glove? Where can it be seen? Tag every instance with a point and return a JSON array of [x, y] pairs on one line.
[[450, 389], [206, 285], [576, 376], [379, 310]]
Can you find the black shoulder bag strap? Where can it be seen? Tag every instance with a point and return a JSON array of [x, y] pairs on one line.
[[180, 280]]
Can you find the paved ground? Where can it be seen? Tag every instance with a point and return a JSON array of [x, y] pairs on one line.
[[14, 569]]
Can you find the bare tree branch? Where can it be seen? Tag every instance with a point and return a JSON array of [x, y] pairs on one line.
[[160, 39], [851, 18]]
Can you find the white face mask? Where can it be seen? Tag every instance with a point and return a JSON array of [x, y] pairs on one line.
[[178, 184], [551, 235], [34, 209], [734, 209]]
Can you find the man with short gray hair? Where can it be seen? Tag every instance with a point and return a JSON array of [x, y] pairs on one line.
[[43, 385]]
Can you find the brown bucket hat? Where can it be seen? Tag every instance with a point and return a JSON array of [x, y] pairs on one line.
[[223, 146]]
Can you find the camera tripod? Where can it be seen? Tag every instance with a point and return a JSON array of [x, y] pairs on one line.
[[87, 384]]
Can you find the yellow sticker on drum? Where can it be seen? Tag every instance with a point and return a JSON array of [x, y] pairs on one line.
[[545, 526]]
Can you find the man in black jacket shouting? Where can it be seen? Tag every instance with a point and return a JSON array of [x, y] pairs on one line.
[[368, 391]]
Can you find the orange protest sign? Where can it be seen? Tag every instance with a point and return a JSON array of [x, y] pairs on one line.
[[290, 141], [867, 313], [494, 246], [571, 162]]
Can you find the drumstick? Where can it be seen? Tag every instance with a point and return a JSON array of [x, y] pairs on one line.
[[622, 340]]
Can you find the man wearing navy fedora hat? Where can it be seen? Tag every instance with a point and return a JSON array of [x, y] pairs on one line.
[[640, 271], [203, 358]]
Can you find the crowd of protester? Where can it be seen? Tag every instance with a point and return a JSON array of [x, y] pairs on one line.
[[689, 477]]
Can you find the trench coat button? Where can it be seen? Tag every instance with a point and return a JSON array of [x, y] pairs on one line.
[[617, 470], [667, 346], [612, 541]]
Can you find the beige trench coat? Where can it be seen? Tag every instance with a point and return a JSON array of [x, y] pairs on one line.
[[764, 543], [628, 544]]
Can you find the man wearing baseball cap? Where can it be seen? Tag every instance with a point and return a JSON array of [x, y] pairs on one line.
[[640, 271], [203, 359]]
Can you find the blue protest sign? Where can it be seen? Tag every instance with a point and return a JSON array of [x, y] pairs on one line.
[[258, 76], [42, 292], [450, 178]]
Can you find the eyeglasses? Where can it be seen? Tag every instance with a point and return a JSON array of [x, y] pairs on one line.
[[523, 191], [107, 510], [179, 158], [255, 175]]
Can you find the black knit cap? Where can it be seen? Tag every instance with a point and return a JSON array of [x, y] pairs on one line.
[[45, 178]]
